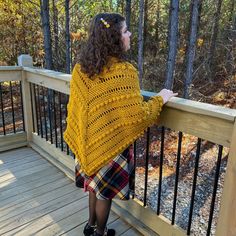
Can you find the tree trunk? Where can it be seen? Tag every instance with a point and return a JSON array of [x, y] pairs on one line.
[[111, 5], [232, 11], [214, 38], [44, 12], [117, 5], [145, 28], [232, 21], [191, 46], [128, 13], [122, 7], [140, 42], [232, 39], [67, 36], [55, 32], [172, 42], [157, 27], [199, 15]]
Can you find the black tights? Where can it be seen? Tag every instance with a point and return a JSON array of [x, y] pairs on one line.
[[98, 212]]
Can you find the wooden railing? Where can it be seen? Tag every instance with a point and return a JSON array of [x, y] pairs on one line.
[[213, 123]]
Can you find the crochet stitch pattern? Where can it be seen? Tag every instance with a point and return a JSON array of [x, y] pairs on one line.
[[107, 114]]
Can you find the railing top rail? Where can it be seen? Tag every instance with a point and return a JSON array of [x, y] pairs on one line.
[[49, 73], [10, 73], [198, 107], [10, 68], [203, 108], [175, 103]]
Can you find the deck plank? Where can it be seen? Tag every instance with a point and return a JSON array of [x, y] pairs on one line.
[[21, 167], [78, 230], [34, 202], [12, 183], [38, 199], [34, 193], [120, 226], [18, 162], [131, 232], [65, 224], [16, 154], [29, 186], [37, 212], [23, 173], [36, 226]]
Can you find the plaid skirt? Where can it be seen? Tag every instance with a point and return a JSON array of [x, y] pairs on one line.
[[115, 180]]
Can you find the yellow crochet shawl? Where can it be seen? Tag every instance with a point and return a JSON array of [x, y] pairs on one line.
[[106, 114]]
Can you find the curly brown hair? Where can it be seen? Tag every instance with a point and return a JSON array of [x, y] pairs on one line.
[[103, 42]]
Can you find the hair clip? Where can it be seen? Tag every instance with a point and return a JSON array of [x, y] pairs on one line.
[[105, 23]]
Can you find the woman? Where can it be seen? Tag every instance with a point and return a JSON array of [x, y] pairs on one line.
[[106, 114]]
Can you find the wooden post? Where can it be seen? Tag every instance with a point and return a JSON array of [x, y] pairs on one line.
[[226, 224], [26, 60]]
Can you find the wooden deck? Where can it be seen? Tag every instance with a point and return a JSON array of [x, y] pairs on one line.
[[38, 199]]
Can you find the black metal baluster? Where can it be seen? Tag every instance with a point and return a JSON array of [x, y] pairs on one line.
[[60, 112], [45, 115], [194, 185], [12, 109], [40, 112], [160, 169], [49, 106], [135, 158], [67, 99], [55, 117], [146, 168], [177, 176], [32, 105], [2, 109], [22, 106], [217, 175], [36, 108]]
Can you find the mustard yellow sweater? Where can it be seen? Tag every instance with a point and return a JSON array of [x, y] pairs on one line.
[[106, 114]]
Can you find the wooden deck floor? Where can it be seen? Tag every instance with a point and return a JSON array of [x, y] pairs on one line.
[[38, 199]]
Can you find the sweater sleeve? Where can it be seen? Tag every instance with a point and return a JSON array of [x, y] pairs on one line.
[[153, 108]]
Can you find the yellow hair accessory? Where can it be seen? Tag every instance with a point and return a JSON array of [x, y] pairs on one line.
[[105, 23]]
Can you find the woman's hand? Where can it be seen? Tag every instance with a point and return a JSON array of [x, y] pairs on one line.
[[167, 95]]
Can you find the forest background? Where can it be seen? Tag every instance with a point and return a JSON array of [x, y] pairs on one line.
[[187, 46]]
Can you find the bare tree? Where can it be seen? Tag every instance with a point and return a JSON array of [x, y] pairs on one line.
[[172, 42], [121, 4], [232, 38], [191, 46], [128, 13], [68, 62], [44, 12], [214, 37], [55, 33], [140, 42], [157, 27], [145, 24], [234, 29]]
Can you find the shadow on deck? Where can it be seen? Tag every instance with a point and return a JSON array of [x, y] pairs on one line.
[[36, 198]]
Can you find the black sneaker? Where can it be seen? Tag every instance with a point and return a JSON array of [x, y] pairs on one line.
[[89, 230], [108, 232]]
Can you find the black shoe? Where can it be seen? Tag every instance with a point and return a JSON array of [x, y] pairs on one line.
[[108, 232], [89, 230]]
